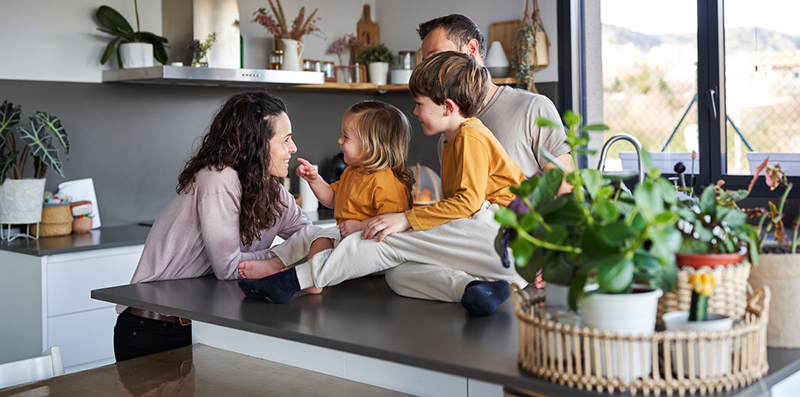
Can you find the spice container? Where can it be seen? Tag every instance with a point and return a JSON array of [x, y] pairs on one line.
[[276, 59]]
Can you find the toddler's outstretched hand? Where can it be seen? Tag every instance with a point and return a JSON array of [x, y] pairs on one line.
[[305, 170]]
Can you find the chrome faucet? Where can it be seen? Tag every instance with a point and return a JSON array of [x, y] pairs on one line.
[[636, 144]]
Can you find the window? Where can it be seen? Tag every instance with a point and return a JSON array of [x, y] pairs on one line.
[[716, 77]]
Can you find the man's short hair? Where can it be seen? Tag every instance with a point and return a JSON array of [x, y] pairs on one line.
[[451, 75], [458, 28]]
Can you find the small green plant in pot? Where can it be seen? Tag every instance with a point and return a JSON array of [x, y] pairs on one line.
[[599, 233], [377, 58], [113, 23]]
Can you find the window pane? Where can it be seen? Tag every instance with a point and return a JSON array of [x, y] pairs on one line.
[[649, 56], [762, 68]]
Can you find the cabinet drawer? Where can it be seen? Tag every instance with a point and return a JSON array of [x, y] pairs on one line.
[[83, 337], [72, 277]]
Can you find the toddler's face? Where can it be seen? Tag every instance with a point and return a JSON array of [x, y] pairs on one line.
[[349, 142]]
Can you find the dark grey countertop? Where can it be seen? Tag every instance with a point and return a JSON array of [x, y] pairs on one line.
[[365, 317], [103, 237], [107, 237]]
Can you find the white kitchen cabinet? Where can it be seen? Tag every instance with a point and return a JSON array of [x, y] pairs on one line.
[[45, 301]]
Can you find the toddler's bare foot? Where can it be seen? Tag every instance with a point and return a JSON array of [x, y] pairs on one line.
[[260, 268], [313, 290]]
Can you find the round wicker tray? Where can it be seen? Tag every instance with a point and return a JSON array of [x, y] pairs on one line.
[[587, 358]]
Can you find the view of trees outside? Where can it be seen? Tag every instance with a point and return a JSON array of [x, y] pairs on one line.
[[650, 77]]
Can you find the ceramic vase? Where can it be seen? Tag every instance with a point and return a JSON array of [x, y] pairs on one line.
[[292, 53], [711, 356], [136, 55], [628, 314], [21, 201], [378, 72]]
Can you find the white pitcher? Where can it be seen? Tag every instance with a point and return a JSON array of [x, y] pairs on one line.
[[291, 54]]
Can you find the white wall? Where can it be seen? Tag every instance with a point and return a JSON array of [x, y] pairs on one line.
[[52, 40]]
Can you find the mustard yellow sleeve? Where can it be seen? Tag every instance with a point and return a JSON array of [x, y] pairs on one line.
[[465, 175], [390, 196]]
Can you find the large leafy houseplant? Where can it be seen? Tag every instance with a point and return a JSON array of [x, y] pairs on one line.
[[38, 138], [113, 23], [599, 233]]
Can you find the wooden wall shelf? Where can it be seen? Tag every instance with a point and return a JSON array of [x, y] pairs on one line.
[[369, 87]]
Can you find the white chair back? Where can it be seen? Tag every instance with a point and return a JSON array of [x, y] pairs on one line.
[[32, 369]]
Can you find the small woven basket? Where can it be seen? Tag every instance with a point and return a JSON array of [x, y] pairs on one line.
[[56, 221], [730, 292]]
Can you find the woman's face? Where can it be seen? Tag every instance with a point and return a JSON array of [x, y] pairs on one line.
[[350, 143], [281, 147]]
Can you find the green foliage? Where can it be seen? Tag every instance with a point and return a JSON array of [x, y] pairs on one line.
[[596, 234], [113, 23], [376, 53], [38, 139]]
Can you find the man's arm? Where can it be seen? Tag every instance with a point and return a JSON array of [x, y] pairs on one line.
[[566, 163]]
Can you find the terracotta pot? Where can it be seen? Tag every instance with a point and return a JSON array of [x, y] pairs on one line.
[[709, 260]]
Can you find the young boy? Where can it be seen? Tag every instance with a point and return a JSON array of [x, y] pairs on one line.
[[455, 233]]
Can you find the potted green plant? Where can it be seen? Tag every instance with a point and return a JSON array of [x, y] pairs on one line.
[[377, 58], [134, 49], [22, 198], [779, 261], [609, 246]]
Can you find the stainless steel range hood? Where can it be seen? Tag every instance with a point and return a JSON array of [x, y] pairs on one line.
[[186, 75]]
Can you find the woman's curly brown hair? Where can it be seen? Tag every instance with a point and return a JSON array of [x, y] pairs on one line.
[[239, 138], [385, 133]]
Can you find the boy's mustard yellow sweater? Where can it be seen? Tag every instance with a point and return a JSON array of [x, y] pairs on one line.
[[475, 168]]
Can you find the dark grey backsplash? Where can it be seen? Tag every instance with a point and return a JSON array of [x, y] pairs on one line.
[[134, 139]]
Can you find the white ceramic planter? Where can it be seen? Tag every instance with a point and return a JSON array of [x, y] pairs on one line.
[[378, 72], [716, 353], [628, 314], [781, 272], [136, 55], [556, 296], [21, 201], [790, 162]]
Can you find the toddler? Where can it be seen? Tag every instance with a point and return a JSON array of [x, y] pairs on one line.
[[377, 180]]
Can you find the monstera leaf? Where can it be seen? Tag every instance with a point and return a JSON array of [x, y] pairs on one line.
[[39, 139]]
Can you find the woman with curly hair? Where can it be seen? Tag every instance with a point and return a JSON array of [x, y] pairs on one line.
[[230, 206]]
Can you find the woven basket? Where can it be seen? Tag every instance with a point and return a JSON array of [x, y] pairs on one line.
[[585, 358], [56, 221], [730, 292]]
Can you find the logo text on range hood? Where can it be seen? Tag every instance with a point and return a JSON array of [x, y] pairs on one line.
[[186, 75]]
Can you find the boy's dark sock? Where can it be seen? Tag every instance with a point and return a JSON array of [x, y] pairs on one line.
[[278, 288], [482, 298]]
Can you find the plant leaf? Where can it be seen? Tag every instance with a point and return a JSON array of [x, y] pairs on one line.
[[53, 123], [593, 181], [41, 143], [707, 201], [594, 127], [159, 52], [572, 119], [615, 274], [522, 251], [9, 117], [6, 162], [616, 233], [545, 191], [112, 20], [558, 271], [112, 45], [505, 216], [543, 122], [595, 247], [607, 210]]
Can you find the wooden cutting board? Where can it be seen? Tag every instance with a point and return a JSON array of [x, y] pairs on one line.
[[367, 30], [504, 32]]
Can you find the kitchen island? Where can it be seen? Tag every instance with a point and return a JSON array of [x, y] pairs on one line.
[[360, 330]]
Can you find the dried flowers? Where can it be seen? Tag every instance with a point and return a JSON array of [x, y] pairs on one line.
[[275, 22], [201, 49], [349, 43]]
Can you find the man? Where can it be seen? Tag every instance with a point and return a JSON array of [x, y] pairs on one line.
[[508, 112]]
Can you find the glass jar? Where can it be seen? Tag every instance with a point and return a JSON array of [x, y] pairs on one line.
[[276, 59]]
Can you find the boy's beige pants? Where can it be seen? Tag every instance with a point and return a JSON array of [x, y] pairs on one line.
[[436, 263]]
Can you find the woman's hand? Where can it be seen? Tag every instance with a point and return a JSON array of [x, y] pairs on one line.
[[306, 171], [349, 227], [384, 225]]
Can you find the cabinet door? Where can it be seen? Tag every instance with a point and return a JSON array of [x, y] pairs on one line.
[[84, 337], [72, 277]]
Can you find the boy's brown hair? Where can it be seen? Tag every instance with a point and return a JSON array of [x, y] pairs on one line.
[[385, 133], [451, 75]]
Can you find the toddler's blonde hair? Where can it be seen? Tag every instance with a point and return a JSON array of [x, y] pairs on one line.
[[384, 132]]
